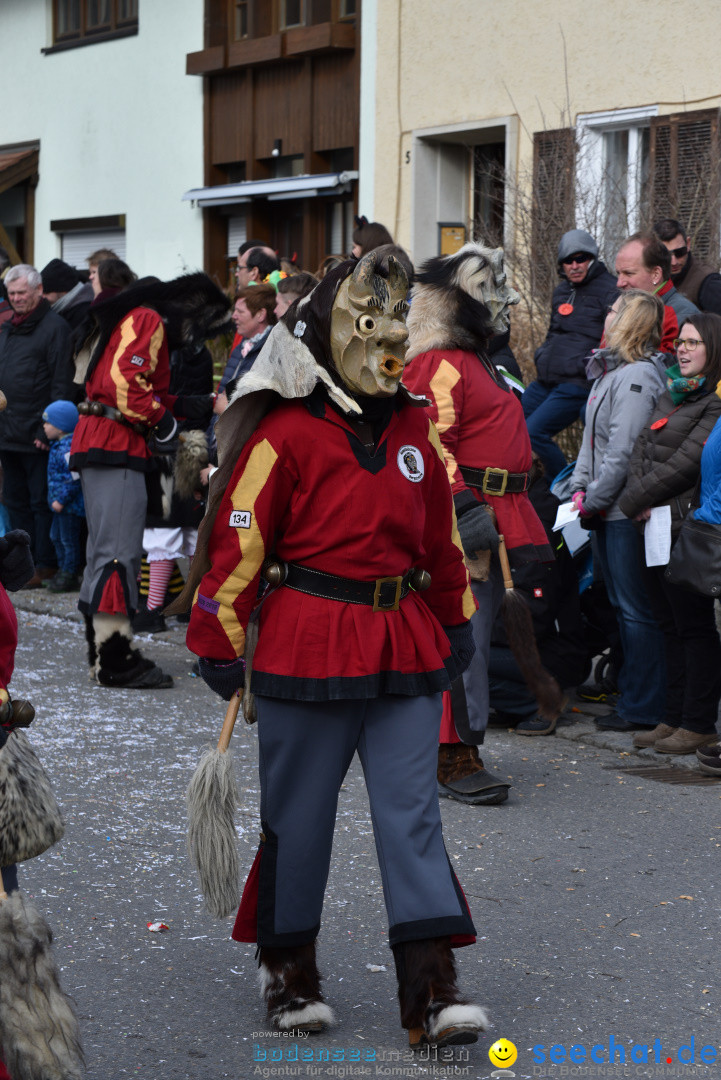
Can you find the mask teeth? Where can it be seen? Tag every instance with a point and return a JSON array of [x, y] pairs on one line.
[[391, 367]]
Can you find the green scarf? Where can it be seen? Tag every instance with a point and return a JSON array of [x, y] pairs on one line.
[[678, 386]]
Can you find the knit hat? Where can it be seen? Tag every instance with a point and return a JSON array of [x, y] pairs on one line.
[[62, 414], [58, 277]]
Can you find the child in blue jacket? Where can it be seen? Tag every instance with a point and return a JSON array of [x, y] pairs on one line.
[[64, 496]]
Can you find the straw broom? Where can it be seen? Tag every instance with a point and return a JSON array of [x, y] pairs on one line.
[[39, 1030], [522, 641], [212, 798]]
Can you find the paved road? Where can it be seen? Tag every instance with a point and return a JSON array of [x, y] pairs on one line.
[[595, 894]]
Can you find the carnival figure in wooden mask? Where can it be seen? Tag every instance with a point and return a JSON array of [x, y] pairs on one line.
[[332, 476]]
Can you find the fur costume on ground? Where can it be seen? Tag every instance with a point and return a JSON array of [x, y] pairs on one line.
[[38, 1024], [30, 818]]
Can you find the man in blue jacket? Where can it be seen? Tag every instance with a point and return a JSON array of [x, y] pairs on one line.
[[578, 311]]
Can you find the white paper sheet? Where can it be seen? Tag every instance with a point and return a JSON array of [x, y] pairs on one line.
[[657, 536], [567, 512]]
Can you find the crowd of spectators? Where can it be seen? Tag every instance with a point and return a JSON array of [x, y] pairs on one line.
[[635, 354]]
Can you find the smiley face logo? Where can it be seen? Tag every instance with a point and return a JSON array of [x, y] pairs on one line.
[[503, 1053]]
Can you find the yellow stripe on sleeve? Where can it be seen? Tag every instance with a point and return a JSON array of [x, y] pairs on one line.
[[441, 388], [252, 546], [468, 602], [127, 335]]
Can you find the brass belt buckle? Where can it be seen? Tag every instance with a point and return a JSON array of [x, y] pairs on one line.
[[387, 595], [493, 490]]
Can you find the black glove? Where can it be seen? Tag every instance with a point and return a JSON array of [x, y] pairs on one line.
[[463, 646], [16, 562], [477, 531], [223, 677], [195, 407], [166, 427]]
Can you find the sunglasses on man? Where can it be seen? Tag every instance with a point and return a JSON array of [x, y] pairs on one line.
[[678, 253], [579, 257]]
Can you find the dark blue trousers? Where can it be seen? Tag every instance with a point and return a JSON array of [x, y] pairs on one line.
[[549, 409], [305, 751], [65, 533]]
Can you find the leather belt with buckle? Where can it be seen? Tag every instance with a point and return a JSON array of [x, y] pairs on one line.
[[97, 408], [383, 594], [495, 481]]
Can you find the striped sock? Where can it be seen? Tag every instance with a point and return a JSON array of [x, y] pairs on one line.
[[160, 571]]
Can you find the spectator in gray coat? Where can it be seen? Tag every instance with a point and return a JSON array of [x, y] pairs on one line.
[[34, 371], [630, 376]]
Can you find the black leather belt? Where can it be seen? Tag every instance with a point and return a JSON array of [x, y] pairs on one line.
[[97, 408], [383, 594], [496, 481]]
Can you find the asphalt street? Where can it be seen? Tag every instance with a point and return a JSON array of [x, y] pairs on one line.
[[595, 893]]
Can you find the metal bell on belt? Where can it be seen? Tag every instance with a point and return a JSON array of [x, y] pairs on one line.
[[274, 572], [420, 580]]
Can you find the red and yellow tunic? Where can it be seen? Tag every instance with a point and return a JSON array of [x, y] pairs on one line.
[[481, 425], [133, 376], [306, 489]]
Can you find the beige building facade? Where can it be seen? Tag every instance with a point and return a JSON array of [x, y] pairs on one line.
[[606, 113]]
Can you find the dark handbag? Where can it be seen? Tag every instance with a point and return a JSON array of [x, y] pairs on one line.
[[695, 561]]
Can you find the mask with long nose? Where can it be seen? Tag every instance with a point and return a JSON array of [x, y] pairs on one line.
[[368, 334]]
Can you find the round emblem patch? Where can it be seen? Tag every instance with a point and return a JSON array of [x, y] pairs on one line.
[[410, 463]]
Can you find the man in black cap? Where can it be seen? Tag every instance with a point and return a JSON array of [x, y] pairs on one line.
[[65, 292], [579, 305]]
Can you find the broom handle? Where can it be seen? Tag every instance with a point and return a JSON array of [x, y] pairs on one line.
[[231, 715], [3, 894], [505, 566]]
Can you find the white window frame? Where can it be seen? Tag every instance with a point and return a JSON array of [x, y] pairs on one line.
[[429, 186], [590, 163]]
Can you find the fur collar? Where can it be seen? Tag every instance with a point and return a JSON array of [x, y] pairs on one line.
[[446, 318], [192, 307]]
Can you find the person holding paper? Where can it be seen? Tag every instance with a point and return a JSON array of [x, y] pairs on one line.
[[629, 378], [663, 472]]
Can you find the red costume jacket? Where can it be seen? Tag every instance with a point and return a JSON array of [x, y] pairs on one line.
[[133, 376], [481, 424], [306, 489]]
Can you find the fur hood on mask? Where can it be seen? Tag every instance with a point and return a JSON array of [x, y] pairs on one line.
[[192, 307], [448, 309]]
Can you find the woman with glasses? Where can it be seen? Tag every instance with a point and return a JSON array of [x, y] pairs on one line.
[[629, 376], [664, 471]]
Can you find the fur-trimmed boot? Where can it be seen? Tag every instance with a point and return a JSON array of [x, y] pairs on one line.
[[92, 650], [117, 663], [290, 986], [432, 1008], [462, 775]]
